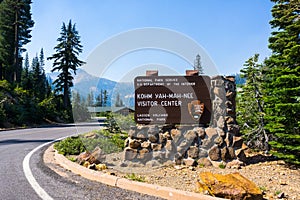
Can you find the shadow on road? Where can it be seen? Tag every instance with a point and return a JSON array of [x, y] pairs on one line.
[[20, 141]]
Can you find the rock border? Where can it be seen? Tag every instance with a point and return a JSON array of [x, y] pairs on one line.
[[144, 188]]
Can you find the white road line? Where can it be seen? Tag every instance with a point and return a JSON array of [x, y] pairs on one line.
[[28, 174]]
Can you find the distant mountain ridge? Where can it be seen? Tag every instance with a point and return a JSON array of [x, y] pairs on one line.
[[84, 83]]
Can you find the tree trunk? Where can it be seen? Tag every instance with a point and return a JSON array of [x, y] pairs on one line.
[[16, 51], [1, 71]]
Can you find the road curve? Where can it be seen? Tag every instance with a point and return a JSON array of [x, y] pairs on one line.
[[16, 144]]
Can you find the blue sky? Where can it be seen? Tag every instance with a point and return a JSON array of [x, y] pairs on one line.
[[229, 31]]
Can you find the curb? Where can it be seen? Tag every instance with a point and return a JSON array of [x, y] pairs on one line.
[[140, 187]]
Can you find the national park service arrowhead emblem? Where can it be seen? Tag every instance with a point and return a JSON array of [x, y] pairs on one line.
[[196, 109]]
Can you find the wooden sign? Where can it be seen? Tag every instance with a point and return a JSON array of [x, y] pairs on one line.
[[172, 100]]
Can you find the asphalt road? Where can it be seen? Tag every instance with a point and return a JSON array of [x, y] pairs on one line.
[[14, 147]]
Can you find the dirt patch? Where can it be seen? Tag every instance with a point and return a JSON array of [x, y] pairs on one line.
[[274, 177]]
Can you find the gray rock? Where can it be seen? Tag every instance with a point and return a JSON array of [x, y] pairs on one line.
[[203, 153], [193, 152], [130, 154], [153, 138], [134, 144], [225, 154], [146, 144], [144, 155], [237, 142], [189, 162], [200, 132], [214, 153], [156, 146], [204, 162]]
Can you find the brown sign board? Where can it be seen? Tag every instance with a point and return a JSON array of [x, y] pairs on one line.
[[172, 100]]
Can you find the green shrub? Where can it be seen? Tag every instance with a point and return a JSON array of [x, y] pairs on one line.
[[135, 177], [222, 166], [70, 146], [108, 142]]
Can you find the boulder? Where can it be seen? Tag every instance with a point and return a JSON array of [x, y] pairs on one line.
[[204, 162], [132, 132], [234, 128], [235, 164], [96, 157], [211, 132], [219, 141], [231, 153], [134, 144], [146, 144], [200, 131], [156, 146], [82, 158], [237, 142], [130, 154], [153, 138], [214, 153], [221, 122], [153, 130], [230, 120], [240, 154], [202, 153], [193, 152], [221, 132], [144, 155], [189, 162], [232, 186], [142, 135], [225, 156], [176, 135], [170, 146], [190, 136]]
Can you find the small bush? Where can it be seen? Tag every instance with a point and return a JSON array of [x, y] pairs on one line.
[[135, 177], [222, 166], [70, 146], [108, 142]]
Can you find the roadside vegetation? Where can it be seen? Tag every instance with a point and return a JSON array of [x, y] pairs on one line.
[[106, 141], [109, 140]]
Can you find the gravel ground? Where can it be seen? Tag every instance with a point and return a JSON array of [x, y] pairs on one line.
[[275, 178]]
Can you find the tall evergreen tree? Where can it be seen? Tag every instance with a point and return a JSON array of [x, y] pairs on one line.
[[105, 96], [38, 79], [90, 99], [99, 99], [251, 106], [282, 83], [15, 28], [26, 80], [66, 60], [119, 101]]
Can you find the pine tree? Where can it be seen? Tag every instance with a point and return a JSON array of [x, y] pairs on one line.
[[198, 65], [282, 83], [80, 112], [105, 96], [26, 80], [90, 99], [251, 106], [119, 101], [66, 60], [99, 99], [15, 28], [38, 79]]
